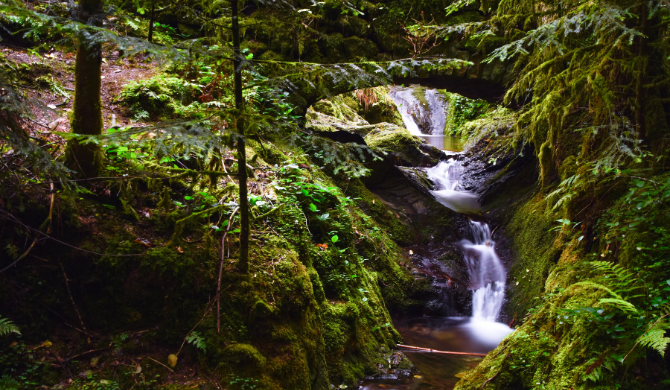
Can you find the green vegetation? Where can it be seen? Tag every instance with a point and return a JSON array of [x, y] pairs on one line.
[[204, 210]]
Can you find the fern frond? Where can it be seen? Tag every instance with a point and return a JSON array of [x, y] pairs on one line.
[[598, 286], [620, 303], [7, 327], [655, 338]]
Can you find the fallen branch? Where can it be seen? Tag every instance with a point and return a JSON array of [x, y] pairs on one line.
[[67, 284], [87, 352], [171, 370], [438, 351]]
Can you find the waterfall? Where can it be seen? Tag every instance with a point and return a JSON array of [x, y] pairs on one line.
[[409, 107], [438, 111], [448, 191], [423, 120], [487, 274]]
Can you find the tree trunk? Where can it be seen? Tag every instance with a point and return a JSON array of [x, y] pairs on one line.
[[152, 20], [87, 159], [243, 263]]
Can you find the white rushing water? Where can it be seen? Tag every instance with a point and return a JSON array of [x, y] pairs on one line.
[[487, 274], [447, 177], [425, 122], [486, 271], [409, 108]]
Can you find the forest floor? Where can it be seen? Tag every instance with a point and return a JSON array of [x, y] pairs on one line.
[[47, 81]]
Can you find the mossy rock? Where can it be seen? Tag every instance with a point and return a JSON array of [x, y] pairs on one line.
[[244, 358], [402, 147]]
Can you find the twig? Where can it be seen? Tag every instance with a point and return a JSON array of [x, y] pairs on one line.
[[65, 321], [494, 230], [209, 307], [12, 218], [443, 352], [494, 376], [48, 220], [171, 370], [490, 379], [218, 284], [93, 350], [638, 340], [67, 284]]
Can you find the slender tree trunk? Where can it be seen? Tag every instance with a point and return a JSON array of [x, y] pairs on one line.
[[243, 264], [152, 20], [87, 159], [640, 93]]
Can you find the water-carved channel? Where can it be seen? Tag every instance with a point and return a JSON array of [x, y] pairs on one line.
[[479, 332]]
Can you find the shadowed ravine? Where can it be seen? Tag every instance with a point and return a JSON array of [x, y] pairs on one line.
[[478, 333]]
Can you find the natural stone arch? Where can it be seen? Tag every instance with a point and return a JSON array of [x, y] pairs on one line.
[[477, 80]]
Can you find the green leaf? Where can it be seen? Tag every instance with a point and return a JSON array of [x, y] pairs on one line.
[[312, 207], [334, 239]]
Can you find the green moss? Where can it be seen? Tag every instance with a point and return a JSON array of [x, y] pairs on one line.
[[404, 148]]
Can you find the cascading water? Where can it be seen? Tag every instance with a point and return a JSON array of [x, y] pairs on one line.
[[486, 272], [424, 120], [409, 108], [438, 112], [480, 332]]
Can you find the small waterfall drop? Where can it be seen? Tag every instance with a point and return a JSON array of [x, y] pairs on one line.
[[438, 111], [487, 274], [409, 107], [423, 119], [486, 271]]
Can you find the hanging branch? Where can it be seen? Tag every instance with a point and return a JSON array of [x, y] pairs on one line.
[[218, 285], [47, 222]]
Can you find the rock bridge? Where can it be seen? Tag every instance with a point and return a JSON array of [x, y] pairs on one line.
[[463, 73]]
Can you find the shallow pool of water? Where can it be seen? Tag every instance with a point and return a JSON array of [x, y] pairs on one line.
[[444, 142], [439, 371]]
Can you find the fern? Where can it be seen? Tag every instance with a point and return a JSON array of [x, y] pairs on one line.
[[8, 383], [7, 327], [195, 339], [655, 338]]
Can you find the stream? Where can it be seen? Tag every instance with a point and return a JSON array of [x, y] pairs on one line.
[[479, 333]]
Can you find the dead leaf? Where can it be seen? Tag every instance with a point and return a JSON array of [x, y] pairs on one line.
[[94, 361], [138, 368], [180, 250], [145, 242]]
